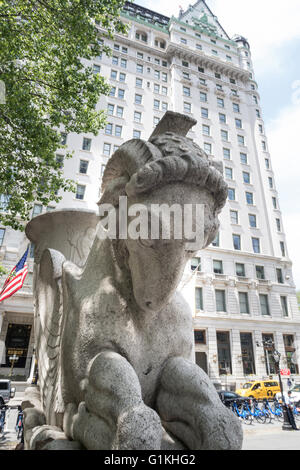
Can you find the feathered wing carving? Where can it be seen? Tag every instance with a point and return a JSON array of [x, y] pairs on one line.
[[48, 328]]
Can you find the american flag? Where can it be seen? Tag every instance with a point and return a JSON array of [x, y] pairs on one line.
[[16, 278]]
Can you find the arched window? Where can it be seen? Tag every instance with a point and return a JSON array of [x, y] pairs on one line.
[[161, 43], [141, 36]]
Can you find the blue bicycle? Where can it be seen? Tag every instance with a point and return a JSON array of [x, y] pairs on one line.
[[276, 411], [258, 414], [242, 413]]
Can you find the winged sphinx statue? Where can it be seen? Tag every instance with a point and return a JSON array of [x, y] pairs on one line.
[[113, 335]]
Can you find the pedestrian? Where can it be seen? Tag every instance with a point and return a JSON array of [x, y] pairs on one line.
[[19, 424], [289, 408], [289, 383]]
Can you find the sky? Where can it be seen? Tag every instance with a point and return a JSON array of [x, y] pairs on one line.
[[273, 31]]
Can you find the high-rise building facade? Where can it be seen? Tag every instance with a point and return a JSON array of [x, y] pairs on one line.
[[241, 288]]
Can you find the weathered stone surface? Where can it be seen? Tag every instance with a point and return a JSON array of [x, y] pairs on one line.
[[114, 336]]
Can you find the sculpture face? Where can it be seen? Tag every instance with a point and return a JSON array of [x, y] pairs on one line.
[[157, 265]]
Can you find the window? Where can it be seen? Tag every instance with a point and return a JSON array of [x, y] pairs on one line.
[[83, 166], [214, 52], [138, 99], [218, 266], [247, 353], [108, 128], [240, 269], [186, 75], [136, 134], [112, 91], [236, 242], [279, 276], [228, 173], [289, 345], [164, 90], [255, 99], [260, 128], [201, 69], [224, 135], [234, 217], [249, 198], [216, 241], [114, 75], [124, 63], [140, 55], [139, 68], [86, 144], [222, 118], [241, 140], [122, 77], [110, 109], [137, 116], [196, 264], [264, 304], [102, 169], [219, 87], [141, 36], [256, 245], [236, 107], [199, 47], [238, 124], [80, 191], [96, 68], [270, 182], [207, 148], [156, 120], [187, 107], [252, 221], [37, 209], [139, 82], [220, 102], [124, 50], [267, 163], [282, 248], [183, 41], [244, 302], [120, 111], [164, 106], [164, 77], [2, 234], [260, 272], [186, 91], [244, 158], [226, 154], [63, 136], [204, 113], [198, 298], [115, 60], [106, 149], [231, 194], [224, 354], [199, 336], [156, 104], [220, 301], [274, 202], [228, 57], [205, 129], [60, 160], [246, 177], [257, 113], [185, 64], [118, 131], [121, 94], [278, 225], [157, 74], [284, 306], [203, 97]]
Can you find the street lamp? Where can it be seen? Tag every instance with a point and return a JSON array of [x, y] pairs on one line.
[[12, 360], [276, 356]]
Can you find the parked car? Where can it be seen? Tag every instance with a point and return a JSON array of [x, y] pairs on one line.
[[6, 391], [259, 389], [228, 397], [295, 395]]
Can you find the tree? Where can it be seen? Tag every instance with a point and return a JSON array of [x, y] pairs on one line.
[[45, 49]]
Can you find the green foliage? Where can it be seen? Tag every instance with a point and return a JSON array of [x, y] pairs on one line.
[[50, 86]]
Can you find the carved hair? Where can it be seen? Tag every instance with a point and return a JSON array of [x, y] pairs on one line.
[[139, 167]]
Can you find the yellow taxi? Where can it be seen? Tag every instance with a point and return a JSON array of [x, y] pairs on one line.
[[259, 389]]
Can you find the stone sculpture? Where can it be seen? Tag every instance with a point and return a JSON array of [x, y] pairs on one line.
[[114, 338]]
